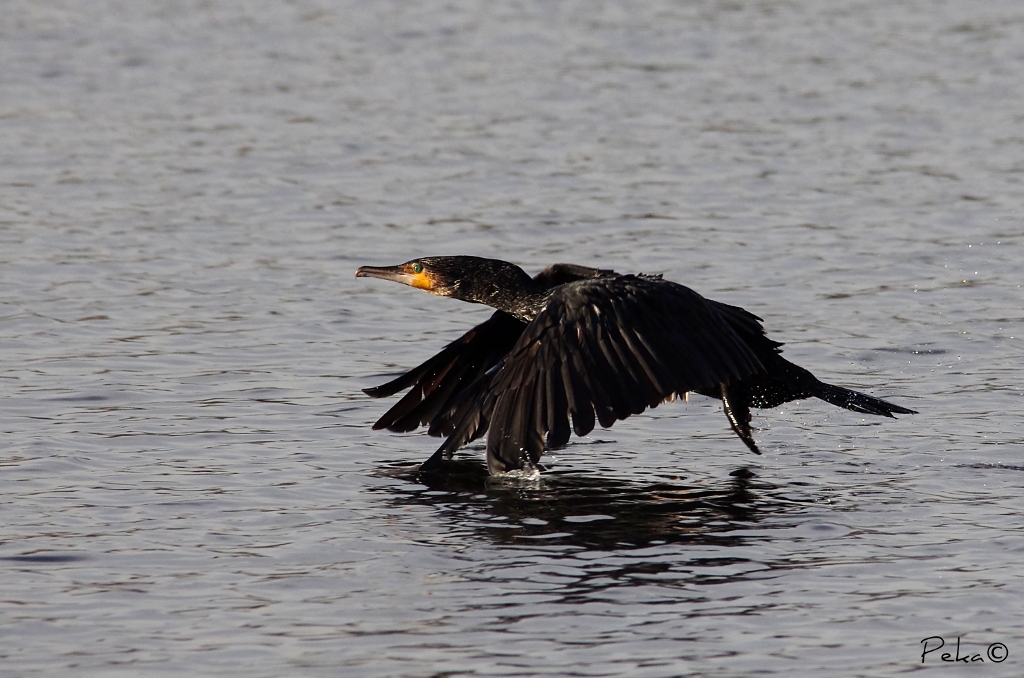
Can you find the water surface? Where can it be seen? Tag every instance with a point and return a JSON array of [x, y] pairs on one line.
[[191, 485]]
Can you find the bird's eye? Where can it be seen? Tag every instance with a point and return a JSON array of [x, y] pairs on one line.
[[417, 268]]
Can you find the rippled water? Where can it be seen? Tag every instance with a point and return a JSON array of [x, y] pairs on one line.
[[190, 483]]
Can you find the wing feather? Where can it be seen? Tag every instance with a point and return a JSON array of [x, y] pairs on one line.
[[582, 407], [559, 395], [438, 382]]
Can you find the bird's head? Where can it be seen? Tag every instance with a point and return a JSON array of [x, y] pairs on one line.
[[474, 279]]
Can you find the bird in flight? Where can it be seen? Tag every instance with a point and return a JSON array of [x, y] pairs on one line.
[[584, 344]]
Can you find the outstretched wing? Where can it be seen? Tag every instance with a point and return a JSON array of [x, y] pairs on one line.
[[600, 350], [439, 381]]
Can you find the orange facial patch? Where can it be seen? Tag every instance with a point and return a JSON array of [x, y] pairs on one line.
[[419, 280]]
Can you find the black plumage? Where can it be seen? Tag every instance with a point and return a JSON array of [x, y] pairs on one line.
[[574, 346]]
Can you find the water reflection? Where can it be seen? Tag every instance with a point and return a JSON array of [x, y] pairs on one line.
[[587, 509]]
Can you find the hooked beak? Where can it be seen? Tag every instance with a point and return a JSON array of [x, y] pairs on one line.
[[400, 274]]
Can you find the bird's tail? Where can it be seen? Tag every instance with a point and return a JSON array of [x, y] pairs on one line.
[[857, 401]]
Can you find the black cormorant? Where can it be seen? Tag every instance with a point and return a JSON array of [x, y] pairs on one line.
[[588, 344]]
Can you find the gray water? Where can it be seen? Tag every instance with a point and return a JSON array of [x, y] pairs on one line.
[[190, 482]]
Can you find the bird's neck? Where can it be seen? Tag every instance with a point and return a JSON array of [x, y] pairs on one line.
[[524, 301], [528, 306]]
